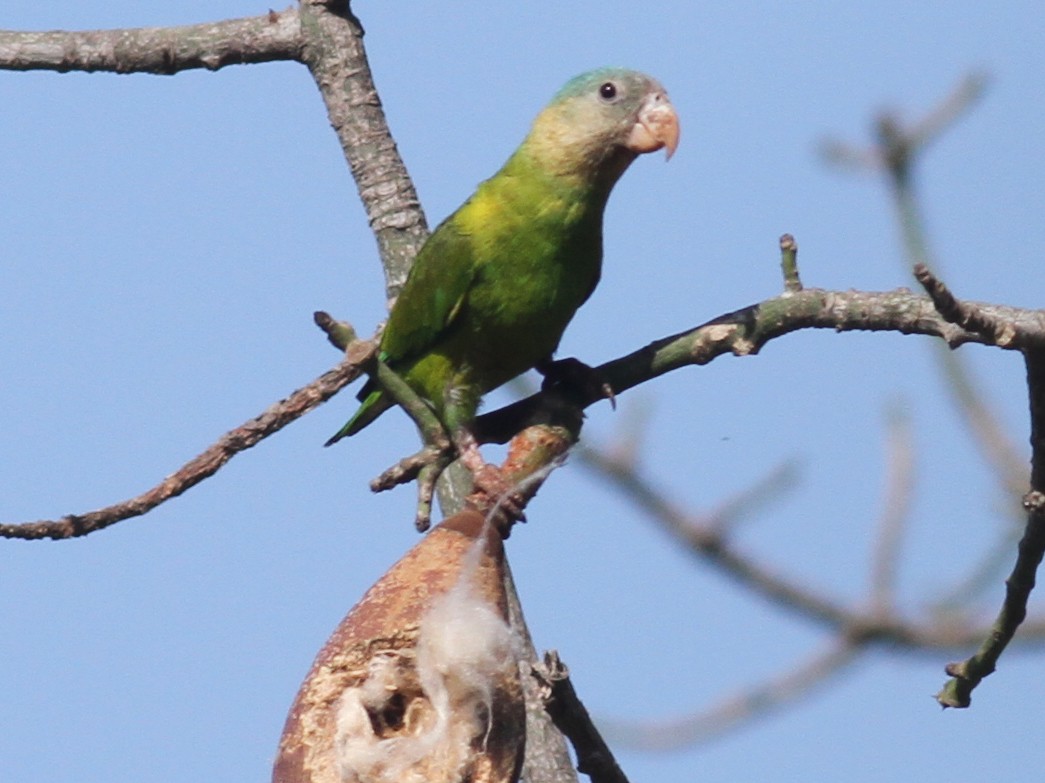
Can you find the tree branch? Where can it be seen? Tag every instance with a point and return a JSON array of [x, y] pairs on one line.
[[594, 757], [157, 50], [703, 535], [335, 56], [740, 333], [744, 333], [966, 675], [209, 462]]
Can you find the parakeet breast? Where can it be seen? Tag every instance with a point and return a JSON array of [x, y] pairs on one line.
[[537, 251]]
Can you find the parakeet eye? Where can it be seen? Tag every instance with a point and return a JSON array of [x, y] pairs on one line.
[[608, 91]]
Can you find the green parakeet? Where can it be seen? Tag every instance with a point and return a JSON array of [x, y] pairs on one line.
[[495, 285]]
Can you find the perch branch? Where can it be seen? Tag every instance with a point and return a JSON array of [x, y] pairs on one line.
[[740, 333], [745, 331]]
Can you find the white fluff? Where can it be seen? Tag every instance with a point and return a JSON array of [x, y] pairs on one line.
[[463, 648]]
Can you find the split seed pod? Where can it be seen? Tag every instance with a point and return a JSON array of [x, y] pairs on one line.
[[420, 681]]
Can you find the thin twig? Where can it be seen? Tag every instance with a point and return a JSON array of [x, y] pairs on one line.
[[898, 144], [205, 464], [967, 674], [750, 704], [701, 535], [420, 412], [789, 263], [896, 509], [594, 757], [966, 94], [969, 316], [340, 334]]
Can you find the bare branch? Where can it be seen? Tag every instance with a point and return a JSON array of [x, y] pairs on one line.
[[966, 675], [702, 535], [335, 56], [206, 464], [971, 317], [594, 757], [948, 111], [157, 50], [744, 332]]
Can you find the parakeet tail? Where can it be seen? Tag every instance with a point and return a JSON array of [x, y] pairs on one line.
[[373, 406]]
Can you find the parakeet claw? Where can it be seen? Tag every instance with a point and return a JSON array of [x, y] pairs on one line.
[[574, 376], [497, 494], [494, 491]]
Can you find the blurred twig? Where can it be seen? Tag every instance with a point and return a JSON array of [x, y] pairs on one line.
[[897, 146], [895, 153], [705, 536], [895, 511], [751, 703], [897, 150]]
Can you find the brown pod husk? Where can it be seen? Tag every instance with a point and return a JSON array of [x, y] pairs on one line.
[[420, 681]]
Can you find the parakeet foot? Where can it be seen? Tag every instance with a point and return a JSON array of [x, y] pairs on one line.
[[494, 491], [572, 374]]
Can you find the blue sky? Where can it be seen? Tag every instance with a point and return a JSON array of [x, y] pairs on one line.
[[165, 241]]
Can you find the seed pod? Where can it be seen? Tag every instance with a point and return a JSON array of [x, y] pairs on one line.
[[420, 681]]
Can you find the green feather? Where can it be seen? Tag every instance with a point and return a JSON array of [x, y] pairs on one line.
[[495, 285]]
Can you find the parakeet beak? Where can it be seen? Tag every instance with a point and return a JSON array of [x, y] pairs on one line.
[[657, 126]]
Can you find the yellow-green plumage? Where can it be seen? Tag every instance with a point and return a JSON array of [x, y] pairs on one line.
[[495, 285]]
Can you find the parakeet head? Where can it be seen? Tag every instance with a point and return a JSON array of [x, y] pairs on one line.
[[600, 121]]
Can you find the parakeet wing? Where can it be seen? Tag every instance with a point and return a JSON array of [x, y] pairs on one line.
[[433, 295]]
